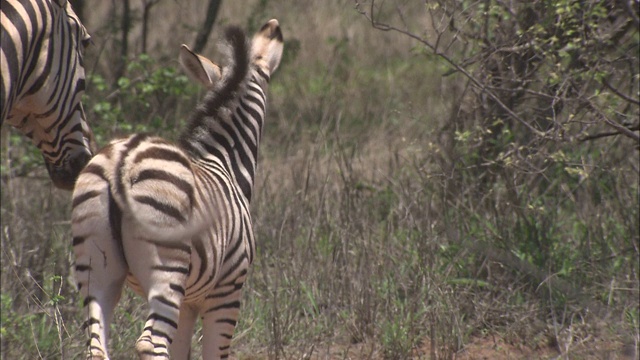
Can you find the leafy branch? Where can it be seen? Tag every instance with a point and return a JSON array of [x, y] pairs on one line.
[[545, 62]]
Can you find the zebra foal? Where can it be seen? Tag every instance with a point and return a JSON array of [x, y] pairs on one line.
[[42, 81], [172, 220]]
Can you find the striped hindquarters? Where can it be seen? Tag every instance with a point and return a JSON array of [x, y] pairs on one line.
[[153, 181]]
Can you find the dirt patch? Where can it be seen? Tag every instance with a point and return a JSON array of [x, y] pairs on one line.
[[496, 348], [480, 348]]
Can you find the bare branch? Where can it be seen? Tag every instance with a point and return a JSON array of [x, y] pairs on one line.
[[630, 7], [607, 134], [475, 81], [619, 127], [617, 92]]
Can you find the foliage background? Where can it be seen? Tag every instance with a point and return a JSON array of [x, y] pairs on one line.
[[432, 175]]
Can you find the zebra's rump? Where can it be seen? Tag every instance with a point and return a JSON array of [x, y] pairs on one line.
[[151, 181]]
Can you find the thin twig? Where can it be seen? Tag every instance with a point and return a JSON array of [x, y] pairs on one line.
[[606, 134], [617, 92], [621, 129], [476, 82]]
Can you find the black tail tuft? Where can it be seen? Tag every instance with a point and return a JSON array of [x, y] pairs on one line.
[[238, 66]]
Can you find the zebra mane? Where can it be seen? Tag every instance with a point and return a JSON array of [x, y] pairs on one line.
[[236, 48]]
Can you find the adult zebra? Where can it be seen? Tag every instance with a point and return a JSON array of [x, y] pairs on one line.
[[173, 220], [43, 80]]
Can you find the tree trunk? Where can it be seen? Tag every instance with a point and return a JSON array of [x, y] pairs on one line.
[[124, 42], [205, 30], [146, 10]]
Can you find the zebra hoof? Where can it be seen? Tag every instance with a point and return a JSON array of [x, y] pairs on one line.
[[97, 357], [147, 351]]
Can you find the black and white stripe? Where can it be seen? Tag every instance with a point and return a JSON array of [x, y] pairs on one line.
[[173, 221], [43, 82]]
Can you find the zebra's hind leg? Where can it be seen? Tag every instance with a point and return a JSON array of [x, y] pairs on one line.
[[181, 345], [180, 348], [219, 317], [160, 268], [162, 323], [100, 312], [100, 268]]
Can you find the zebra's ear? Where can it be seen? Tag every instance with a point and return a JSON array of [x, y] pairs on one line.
[[198, 67], [267, 46]]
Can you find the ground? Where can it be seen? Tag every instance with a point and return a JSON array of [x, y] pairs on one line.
[[479, 348]]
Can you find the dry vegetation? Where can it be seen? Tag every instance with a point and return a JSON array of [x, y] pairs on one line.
[[386, 227]]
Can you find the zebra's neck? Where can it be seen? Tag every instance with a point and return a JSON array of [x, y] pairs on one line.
[[23, 56], [230, 137]]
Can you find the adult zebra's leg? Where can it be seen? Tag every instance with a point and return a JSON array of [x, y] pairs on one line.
[[100, 268], [219, 319], [161, 269]]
